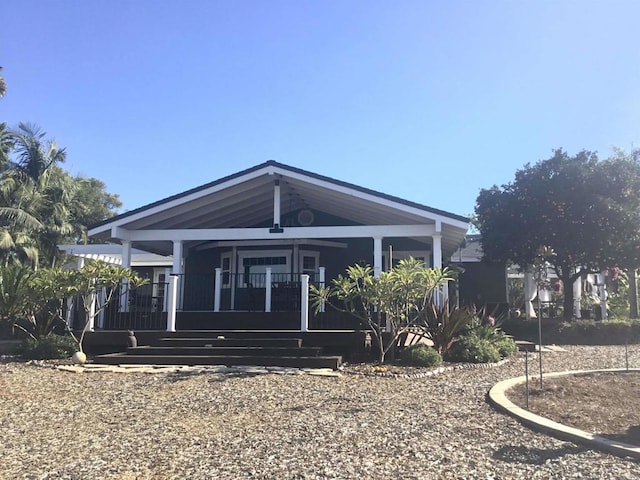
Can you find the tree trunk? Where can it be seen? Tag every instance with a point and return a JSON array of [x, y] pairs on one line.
[[567, 313], [633, 294]]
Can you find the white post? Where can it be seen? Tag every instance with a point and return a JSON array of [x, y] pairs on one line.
[[377, 256], [172, 303], [577, 297], [529, 293], [165, 294], [304, 303], [602, 291], [92, 312], [437, 250], [322, 274], [69, 313], [217, 289], [177, 269], [276, 204], [126, 262], [437, 263], [267, 294], [102, 298]]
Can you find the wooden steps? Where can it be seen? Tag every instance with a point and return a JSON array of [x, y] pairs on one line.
[[220, 350]]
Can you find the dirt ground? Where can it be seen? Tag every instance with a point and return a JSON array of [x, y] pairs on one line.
[[605, 404]]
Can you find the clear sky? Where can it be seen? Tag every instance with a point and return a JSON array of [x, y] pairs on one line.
[[427, 100]]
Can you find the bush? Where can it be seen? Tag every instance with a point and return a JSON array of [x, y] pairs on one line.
[[47, 348], [472, 349], [506, 346], [421, 355], [590, 332]]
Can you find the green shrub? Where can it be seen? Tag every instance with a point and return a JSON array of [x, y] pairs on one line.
[[506, 346], [46, 348], [421, 355], [472, 349], [591, 332]]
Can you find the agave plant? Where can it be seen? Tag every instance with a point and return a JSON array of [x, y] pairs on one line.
[[443, 324]]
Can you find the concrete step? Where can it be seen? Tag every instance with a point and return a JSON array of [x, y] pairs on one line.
[[332, 362], [226, 350], [231, 342]]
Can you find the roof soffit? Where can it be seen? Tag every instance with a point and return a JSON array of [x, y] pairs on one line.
[[247, 200]]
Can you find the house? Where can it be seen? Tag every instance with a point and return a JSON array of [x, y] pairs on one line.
[[481, 284], [244, 248], [507, 289]]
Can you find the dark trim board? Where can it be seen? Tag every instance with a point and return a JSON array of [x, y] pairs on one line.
[[348, 343]]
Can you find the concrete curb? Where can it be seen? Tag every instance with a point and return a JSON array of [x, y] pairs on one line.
[[498, 399]]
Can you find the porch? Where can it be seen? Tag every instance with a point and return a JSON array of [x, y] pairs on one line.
[[245, 302]]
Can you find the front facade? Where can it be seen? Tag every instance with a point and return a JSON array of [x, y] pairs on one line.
[[249, 243]]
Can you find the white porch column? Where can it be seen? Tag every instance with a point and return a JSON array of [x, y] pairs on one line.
[[177, 270], [443, 292], [69, 313], [304, 303], [217, 289], [177, 257], [322, 274], [602, 293], [377, 256], [165, 290], [126, 262], [101, 301], [92, 312], [172, 303], [437, 250], [267, 293], [577, 297], [530, 291], [276, 206]]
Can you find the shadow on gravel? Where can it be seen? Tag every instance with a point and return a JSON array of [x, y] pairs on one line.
[[534, 456], [632, 436]]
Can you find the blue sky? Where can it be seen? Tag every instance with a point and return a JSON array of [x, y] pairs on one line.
[[427, 100]]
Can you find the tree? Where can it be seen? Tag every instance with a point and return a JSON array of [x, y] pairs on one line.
[[41, 205], [3, 85], [86, 283], [582, 212], [394, 303]]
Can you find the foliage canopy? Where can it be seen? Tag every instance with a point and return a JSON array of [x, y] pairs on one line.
[[582, 212]]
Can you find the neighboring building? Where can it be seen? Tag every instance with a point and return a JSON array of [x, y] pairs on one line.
[[481, 284], [246, 242]]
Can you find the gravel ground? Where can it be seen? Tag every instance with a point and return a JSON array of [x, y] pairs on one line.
[[61, 425]]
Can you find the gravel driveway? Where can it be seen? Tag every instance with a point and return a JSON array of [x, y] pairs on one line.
[[61, 425]]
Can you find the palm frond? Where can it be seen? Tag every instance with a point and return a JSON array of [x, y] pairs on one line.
[[19, 218]]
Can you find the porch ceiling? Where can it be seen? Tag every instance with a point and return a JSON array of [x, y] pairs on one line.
[[245, 200]]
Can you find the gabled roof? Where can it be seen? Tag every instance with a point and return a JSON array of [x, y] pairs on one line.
[[245, 199]]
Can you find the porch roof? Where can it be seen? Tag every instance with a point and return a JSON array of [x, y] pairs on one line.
[[245, 200], [112, 253]]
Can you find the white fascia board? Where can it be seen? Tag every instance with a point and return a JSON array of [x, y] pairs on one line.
[[367, 231], [269, 243], [373, 198], [269, 170]]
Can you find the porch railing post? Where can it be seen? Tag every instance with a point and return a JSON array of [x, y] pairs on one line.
[[267, 295], [322, 279], [124, 296], [92, 312], [172, 303], [304, 303], [217, 289], [103, 296]]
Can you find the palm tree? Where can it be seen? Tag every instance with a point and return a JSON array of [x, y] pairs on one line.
[[3, 85], [34, 199]]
